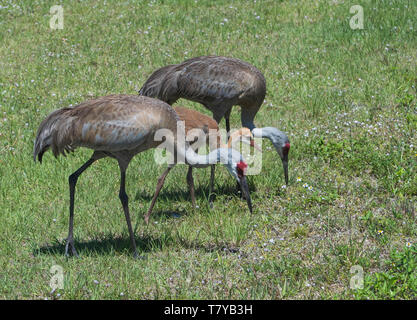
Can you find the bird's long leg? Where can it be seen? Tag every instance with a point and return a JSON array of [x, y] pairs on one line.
[[190, 182], [72, 182], [159, 186], [211, 188], [228, 127], [227, 118], [125, 203]]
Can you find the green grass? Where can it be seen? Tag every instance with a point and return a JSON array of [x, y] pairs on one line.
[[347, 99]]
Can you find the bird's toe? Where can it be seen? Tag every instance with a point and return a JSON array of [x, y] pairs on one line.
[[70, 245], [138, 257]]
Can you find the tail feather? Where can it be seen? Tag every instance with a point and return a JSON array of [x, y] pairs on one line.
[[47, 131], [161, 84]]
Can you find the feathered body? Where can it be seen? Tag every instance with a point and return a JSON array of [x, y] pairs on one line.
[[120, 126], [217, 82], [196, 120], [109, 124]]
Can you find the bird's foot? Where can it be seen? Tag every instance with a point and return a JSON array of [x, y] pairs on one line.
[[211, 198], [146, 217], [70, 243], [138, 257], [211, 203]]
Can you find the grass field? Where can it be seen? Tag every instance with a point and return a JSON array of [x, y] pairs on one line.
[[347, 99]]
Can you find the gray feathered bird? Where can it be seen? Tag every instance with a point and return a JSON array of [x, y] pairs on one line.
[[121, 126], [218, 83]]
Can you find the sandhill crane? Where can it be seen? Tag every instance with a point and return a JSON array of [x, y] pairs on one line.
[[121, 126], [196, 120], [218, 83]]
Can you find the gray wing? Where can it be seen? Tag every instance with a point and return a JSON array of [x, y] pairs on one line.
[[209, 79]]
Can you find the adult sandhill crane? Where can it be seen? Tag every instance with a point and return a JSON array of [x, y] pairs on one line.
[[218, 83], [121, 126], [195, 120]]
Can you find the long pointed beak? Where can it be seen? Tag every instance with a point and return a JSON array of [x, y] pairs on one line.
[[245, 191], [285, 165]]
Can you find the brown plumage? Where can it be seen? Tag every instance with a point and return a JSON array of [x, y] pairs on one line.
[[217, 82], [120, 126], [107, 124], [195, 120]]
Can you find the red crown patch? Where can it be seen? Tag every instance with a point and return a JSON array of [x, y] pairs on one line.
[[241, 168], [242, 165]]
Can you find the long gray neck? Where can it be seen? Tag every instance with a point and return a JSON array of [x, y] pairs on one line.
[[200, 161], [277, 137], [262, 132]]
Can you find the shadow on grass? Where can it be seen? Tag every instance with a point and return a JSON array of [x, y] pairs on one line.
[[105, 246], [220, 247], [110, 244], [145, 244], [201, 192], [158, 214]]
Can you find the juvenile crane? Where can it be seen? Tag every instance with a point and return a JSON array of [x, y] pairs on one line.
[[121, 126], [218, 83], [196, 120]]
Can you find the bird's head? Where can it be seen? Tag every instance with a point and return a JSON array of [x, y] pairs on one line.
[[280, 141], [237, 167]]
